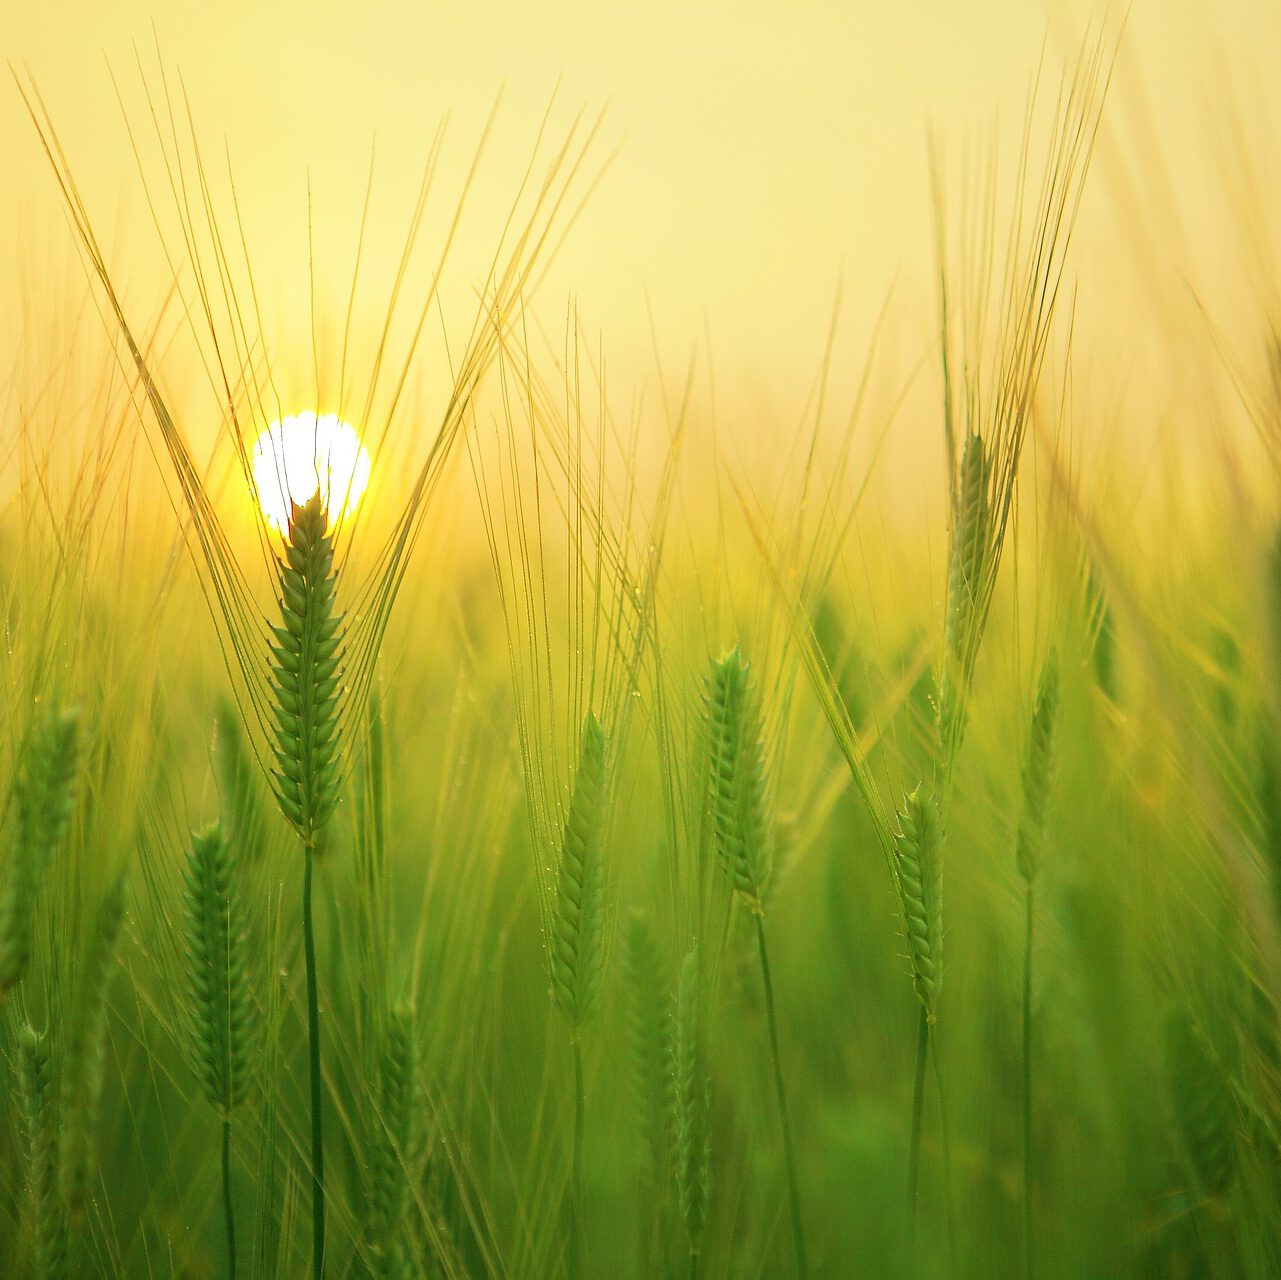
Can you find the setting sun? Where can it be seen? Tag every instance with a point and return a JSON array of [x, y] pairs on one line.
[[304, 453]]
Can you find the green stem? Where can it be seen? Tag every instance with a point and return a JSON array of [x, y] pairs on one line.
[[313, 1043], [947, 1153], [1027, 1085], [226, 1197], [693, 1264], [789, 1154], [918, 1111], [576, 1169]]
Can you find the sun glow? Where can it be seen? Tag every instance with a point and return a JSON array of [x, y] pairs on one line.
[[304, 453]]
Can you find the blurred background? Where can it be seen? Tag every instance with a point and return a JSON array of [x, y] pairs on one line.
[[764, 170]]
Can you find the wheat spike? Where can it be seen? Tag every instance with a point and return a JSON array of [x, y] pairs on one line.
[[220, 1011], [1204, 1110], [306, 674], [738, 783], [239, 787], [86, 1053], [40, 1155], [397, 1144], [649, 1042], [918, 845], [1038, 770], [692, 1097], [578, 925], [44, 799]]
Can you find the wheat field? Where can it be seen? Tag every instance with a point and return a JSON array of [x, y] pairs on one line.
[[553, 827]]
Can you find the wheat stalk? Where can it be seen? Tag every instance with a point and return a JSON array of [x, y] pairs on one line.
[[1038, 770], [743, 829]]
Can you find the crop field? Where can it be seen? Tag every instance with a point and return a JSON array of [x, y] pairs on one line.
[[469, 811]]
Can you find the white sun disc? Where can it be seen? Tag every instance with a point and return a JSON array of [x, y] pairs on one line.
[[304, 454]]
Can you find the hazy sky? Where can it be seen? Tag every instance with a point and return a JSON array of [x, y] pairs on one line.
[[764, 150]]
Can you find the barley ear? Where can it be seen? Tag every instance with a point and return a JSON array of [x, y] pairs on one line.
[[243, 827], [578, 925], [918, 846], [397, 1144], [86, 1052], [48, 1226], [967, 564], [738, 781], [43, 801], [220, 1011], [1038, 771], [649, 1044], [692, 1099], [1204, 1109], [306, 675]]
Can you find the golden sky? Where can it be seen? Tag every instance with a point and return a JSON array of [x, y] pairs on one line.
[[765, 151]]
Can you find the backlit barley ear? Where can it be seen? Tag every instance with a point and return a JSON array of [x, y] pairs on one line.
[[43, 800], [970, 539], [738, 782], [86, 1053], [1204, 1109], [1101, 633], [47, 1222], [219, 1009], [578, 922], [238, 785], [692, 1101], [918, 845], [397, 1145], [1038, 770], [649, 1043], [306, 675]]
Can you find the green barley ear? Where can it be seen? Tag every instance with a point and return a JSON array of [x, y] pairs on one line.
[[1101, 633], [649, 1043], [397, 1145], [578, 924], [306, 674], [219, 1006], [692, 1102], [238, 784], [86, 1050], [48, 1225], [738, 782], [44, 799], [1204, 1109], [1038, 770], [970, 536], [918, 846]]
